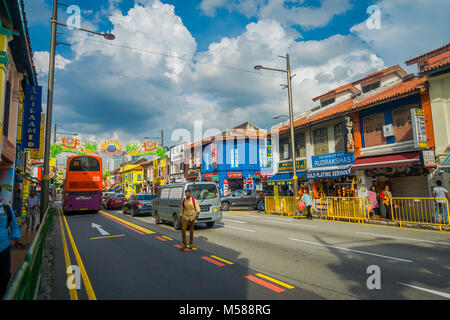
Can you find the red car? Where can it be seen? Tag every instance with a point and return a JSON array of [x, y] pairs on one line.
[[115, 201]]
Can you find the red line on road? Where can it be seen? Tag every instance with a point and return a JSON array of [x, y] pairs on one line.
[[264, 283], [122, 224], [181, 247], [162, 239], [220, 264]]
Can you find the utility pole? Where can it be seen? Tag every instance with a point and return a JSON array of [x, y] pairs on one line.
[[45, 183], [291, 117]]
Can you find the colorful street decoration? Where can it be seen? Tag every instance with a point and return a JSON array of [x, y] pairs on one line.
[[108, 148], [111, 148]]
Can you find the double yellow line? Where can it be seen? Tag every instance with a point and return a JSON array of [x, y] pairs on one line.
[[86, 281]]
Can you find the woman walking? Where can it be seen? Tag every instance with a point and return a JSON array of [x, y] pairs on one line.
[[387, 202], [373, 201]]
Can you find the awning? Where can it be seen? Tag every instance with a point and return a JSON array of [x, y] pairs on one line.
[[393, 160], [115, 187], [285, 176]]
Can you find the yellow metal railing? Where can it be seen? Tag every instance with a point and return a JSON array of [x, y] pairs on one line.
[[348, 208], [430, 211], [285, 206]]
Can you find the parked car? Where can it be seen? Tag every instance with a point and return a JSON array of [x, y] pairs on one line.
[[104, 198], [166, 205], [138, 204], [115, 201], [242, 198]]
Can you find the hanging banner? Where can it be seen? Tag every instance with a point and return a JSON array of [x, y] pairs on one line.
[[38, 153], [70, 143], [348, 134], [32, 109], [419, 129], [214, 155]]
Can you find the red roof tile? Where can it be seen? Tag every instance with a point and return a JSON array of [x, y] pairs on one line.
[[378, 73], [429, 54], [338, 90]]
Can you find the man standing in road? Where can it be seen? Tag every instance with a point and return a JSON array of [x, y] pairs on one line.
[[189, 212]]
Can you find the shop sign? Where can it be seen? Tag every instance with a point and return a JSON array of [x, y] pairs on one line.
[[328, 174], [419, 129], [214, 155], [333, 159], [287, 166], [28, 163], [388, 130], [38, 153], [349, 137], [210, 176], [269, 152], [428, 159], [234, 175], [263, 175], [279, 183], [32, 116]]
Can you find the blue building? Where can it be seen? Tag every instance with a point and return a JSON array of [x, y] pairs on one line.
[[240, 158]]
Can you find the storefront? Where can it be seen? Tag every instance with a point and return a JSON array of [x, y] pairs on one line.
[[403, 172], [330, 175]]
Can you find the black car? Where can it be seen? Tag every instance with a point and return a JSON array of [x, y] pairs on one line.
[[242, 198], [138, 204]]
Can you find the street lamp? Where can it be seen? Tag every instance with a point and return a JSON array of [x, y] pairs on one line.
[[291, 115], [48, 124]]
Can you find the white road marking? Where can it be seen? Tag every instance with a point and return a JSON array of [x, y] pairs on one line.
[[285, 221], [395, 237], [237, 221], [438, 293], [346, 249], [226, 226]]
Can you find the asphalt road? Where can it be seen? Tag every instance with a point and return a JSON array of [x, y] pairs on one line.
[[249, 256]]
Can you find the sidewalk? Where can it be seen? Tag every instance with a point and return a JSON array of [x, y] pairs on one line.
[[18, 256]]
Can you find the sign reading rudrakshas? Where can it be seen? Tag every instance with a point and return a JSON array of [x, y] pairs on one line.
[[32, 109]]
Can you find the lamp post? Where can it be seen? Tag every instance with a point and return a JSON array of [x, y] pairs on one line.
[[48, 123], [291, 116]]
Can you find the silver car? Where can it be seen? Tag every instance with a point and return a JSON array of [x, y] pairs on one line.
[[166, 206]]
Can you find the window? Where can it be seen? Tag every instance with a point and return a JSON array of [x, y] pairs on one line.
[[300, 146], [327, 102], [202, 192], [176, 193], [285, 149], [84, 164], [320, 140], [339, 137], [403, 130], [144, 197], [371, 87], [373, 130], [165, 193]]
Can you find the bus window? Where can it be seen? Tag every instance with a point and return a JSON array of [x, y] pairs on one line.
[[84, 164]]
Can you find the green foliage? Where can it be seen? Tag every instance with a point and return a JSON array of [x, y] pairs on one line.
[[90, 146], [132, 147], [55, 149]]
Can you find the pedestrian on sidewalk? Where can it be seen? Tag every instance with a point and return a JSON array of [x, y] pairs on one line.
[[441, 206], [387, 202], [189, 212], [373, 201], [308, 203], [9, 230], [33, 211]]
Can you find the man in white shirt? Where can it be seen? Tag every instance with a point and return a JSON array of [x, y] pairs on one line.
[[33, 212], [441, 194]]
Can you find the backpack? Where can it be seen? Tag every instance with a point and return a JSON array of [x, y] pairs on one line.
[[7, 209], [193, 201]]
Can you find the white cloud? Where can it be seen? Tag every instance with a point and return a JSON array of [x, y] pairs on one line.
[[41, 60], [298, 13], [407, 29]]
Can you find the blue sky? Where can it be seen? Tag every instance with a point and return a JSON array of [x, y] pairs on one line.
[[177, 61]]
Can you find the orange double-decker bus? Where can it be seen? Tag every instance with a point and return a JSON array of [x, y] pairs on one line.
[[83, 185]]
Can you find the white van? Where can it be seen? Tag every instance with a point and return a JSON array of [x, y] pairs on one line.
[[166, 206]]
